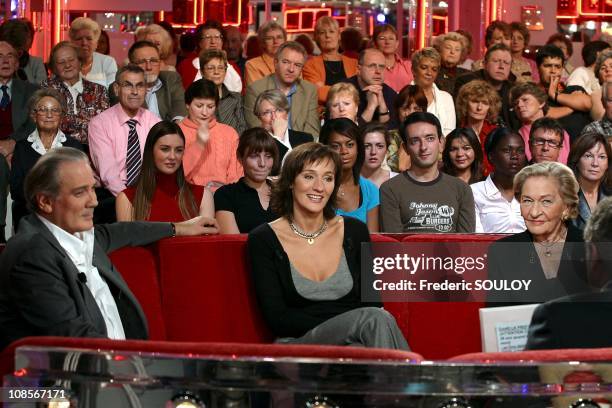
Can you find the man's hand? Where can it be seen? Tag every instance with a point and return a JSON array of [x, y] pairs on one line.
[[203, 133], [553, 87], [279, 126], [197, 226]]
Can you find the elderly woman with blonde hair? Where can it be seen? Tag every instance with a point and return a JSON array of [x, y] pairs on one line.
[[451, 47], [330, 67], [343, 102], [162, 40], [550, 252], [425, 67], [95, 67]]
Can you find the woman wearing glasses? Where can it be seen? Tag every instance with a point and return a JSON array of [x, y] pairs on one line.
[[230, 110], [271, 35], [84, 99], [47, 108], [529, 103]]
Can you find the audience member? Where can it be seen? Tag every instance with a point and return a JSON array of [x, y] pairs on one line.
[[307, 264], [603, 65], [450, 47], [586, 76], [233, 48], [357, 196], [164, 43], [462, 155], [498, 32], [569, 105], [581, 320], [103, 43], [210, 147], [230, 109], [15, 121], [497, 209], [306, 42], [410, 99], [425, 67], [343, 102], [95, 67], [271, 36], [45, 295], [565, 45], [423, 199], [590, 162], [17, 33], [244, 205], [252, 49], [117, 136], [545, 141], [496, 72], [162, 193], [524, 69], [603, 126], [375, 143], [84, 99], [529, 103], [351, 41], [465, 61], [272, 109], [210, 36], [398, 72], [549, 253], [330, 67], [477, 106], [47, 107], [375, 97], [302, 95]]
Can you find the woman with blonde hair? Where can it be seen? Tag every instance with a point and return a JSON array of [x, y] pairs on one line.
[[550, 252], [451, 47], [343, 102], [95, 67], [162, 40], [330, 67]]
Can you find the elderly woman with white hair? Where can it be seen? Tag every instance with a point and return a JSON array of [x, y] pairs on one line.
[[550, 253], [450, 46], [425, 68], [95, 67]]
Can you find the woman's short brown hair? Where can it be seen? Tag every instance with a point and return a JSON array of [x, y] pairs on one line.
[[583, 144], [256, 140], [281, 200], [59, 46], [208, 55], [563, 175], [529, 88], [478, 91], [521, 28]]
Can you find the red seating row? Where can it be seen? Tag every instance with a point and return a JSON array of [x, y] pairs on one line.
[[199, 289]]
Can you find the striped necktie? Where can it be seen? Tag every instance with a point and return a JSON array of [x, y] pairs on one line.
[[6, 99], [133, 161]]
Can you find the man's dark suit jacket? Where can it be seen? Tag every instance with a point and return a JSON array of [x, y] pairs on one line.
[[515, 257], [170, 97], [388, 94], [295, 139], [41, 294], [21, 91], [577, 321], [507, 113]]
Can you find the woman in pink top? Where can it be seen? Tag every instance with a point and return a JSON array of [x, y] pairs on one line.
[[398, 72], [210, 147], [529, 102]]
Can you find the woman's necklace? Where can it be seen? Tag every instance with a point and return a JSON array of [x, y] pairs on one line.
[[309, 237], [547, 246]]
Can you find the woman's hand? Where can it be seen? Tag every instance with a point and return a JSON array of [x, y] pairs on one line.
[[203, 133], [279, 126], [197, 226]]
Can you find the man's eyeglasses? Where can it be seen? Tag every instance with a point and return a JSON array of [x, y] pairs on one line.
[[217, 37], [553, 144], [152, 61], [128, 85]]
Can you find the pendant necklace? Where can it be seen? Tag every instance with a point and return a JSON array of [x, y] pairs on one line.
[[309, 237]]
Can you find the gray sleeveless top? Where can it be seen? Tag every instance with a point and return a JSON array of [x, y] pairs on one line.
[[336, 286]]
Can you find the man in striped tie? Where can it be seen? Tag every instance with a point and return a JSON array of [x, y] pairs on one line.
[[117, 136]]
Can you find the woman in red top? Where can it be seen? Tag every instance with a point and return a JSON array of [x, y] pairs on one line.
[[161, 192], [478, 105]]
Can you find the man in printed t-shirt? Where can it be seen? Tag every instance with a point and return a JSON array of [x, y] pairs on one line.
[[422, 199]]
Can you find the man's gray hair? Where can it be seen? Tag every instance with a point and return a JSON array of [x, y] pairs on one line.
[[44, 177], [276, 97], [292, 45], [598, 226]]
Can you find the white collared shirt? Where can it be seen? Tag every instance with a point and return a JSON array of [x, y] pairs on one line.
[[494, 214], [39, 147], [75, 90], [80, 248], [151, 97]]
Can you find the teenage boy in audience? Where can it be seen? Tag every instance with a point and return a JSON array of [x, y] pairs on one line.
[[423, 199], [301, 94], [569, 105]]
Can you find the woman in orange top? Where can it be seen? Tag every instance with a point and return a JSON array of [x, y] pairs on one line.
[[210, 147], [330, 67], [271, 35]]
